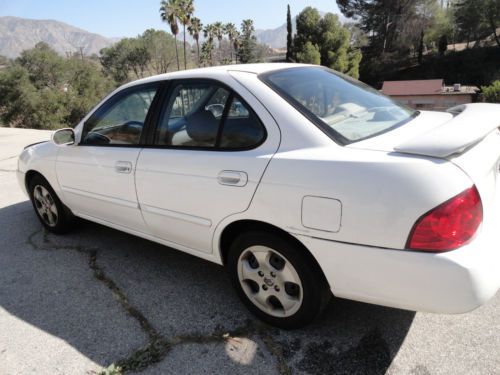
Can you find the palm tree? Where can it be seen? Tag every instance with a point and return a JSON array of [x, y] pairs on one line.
[[231, 31], [169, 12], [195, 28], [208, 33], [186, 12], [236, 44], [206, 52], [218, 31]]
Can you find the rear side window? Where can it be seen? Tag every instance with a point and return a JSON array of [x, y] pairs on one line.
[[242, 128], [207, 115]]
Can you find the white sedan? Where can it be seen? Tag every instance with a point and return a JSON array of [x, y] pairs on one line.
[[301, 181]]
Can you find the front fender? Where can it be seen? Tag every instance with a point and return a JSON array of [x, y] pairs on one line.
[[40, 158]]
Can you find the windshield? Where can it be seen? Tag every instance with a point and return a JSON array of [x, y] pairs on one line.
[[344, 108]]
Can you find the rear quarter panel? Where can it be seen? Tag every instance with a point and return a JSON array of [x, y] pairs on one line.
[[382, 194]]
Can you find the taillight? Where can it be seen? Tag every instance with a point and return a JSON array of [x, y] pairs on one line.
[[449, 225]]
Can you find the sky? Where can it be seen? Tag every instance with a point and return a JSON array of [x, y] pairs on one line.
[[126, 18]]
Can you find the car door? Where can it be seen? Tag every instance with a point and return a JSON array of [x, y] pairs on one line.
[[210, 150], [97, 175]]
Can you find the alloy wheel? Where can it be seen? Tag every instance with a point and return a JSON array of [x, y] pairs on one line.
[[45, 205], [270, 281]]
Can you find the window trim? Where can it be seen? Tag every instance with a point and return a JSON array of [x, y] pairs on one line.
[[161, 109], [315, 120], [160, 87]]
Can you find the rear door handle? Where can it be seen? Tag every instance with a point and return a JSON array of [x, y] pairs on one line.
[[123, 167], [233, 178]]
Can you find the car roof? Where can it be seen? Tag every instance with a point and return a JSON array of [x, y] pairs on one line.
[[214, 70]]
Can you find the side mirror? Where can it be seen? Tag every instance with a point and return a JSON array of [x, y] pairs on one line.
[[64, 136]]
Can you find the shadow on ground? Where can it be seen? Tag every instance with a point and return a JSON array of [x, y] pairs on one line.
[[118, 298]]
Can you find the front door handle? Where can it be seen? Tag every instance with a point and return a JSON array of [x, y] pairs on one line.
[[123, 167], [233, 178]]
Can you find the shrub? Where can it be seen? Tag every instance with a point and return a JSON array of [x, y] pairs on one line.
[[492, 93]]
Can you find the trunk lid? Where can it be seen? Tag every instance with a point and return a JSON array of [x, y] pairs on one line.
[[439, 134], [470, 124]]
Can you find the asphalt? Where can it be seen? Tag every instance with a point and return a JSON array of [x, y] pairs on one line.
[[94, 298]]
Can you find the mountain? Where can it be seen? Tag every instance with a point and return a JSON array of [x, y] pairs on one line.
[[276, 38], [18, 34]]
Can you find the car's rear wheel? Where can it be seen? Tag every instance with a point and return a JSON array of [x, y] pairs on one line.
[[276, 279], [52, 213]]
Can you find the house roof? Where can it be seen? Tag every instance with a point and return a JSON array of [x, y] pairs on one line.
[[415, 87]]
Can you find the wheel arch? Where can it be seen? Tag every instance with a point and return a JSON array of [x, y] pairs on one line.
[[234, 229], [29, 176]]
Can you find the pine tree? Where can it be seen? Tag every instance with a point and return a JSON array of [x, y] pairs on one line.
[[289, 40]]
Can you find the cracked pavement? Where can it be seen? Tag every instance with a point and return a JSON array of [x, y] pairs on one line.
[[79, 303]]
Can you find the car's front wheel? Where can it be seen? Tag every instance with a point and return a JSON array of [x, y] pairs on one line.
[[52, 213], [276, 279]]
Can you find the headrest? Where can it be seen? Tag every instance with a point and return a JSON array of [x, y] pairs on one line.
[[202, 126]]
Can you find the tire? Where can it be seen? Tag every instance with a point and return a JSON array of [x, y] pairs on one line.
[[49, 209], [264, 267]]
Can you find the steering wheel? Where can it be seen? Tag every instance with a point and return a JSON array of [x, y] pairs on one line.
[[216, 109], [94, 138], [133, 124]]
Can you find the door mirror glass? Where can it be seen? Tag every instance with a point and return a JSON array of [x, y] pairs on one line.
[[64, 137]]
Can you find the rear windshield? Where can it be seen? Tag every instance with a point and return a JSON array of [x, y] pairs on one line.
[[344, 108]]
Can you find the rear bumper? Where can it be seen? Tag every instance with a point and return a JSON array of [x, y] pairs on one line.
[[454, 282]]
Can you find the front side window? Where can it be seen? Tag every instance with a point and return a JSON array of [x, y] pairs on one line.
[[120, 121], [345, 109], [207, 115]]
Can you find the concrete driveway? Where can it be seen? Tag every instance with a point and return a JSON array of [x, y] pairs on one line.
[[76, 304]]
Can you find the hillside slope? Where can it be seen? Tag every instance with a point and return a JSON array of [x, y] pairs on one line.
[[18, 34]]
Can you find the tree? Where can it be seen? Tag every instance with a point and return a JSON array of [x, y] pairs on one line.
[[206, 52], [236, 44], [169, 13], [248, 43], [129, 55], [326, 36], [474, 18], [208, 33], [231, 32], [393, 26], [114, 62], [492, 12], [309, 54], [443, 44], [148, 54], [421, 48], [44, 66], [442, 25], [492, 93], [85, 85], [43, 90], [289, 36], [195, 28], [354, 58], [218, 32], [186, 12], [468, 18], [160, 46]]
